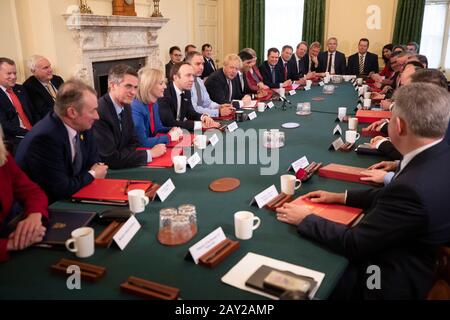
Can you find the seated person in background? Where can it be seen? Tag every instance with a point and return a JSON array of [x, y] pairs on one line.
[[299, 63], [254, 78], [363, 63], [145, 111], [387, 71], [406, 221], [114, 131], [60, 153], [420, 58], [17, 189], [17, 115], [189, 48], [175, 108], [289, 72], [199, 95], [272, 72], [314, 50], [224, 85], [413, 47], [175, 57], [332, 61], [42, 86], [399, 49], [210, 66]]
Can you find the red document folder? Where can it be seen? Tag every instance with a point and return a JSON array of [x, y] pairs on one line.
[[368, 116], [372, 133], [166, 160], [344, 173], [109, 191], [185, 142], [333, 212]]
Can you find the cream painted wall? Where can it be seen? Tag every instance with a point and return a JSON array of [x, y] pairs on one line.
[[347, 21], [231, 27]]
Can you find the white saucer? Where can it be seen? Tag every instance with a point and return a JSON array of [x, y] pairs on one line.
[[302, 113], [290, 125]]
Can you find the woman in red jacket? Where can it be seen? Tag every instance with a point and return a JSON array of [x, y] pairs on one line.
[[16, 186]]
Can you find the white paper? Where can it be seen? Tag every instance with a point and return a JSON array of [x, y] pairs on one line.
[[214, 140], [194, 160], [307, 88], [292, 92], [231, 127], [252, 116], [165, 190], [266, 196], [301, 163], [295, 86], [337, 129], [127, 232], [270, 105], [245, 268], [321, 83], [207, 243]]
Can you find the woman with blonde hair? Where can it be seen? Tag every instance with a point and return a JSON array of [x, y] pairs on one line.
[[19, 196], [147, 122]]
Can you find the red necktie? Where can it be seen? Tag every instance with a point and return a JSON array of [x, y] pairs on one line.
[[152, 119], [285, 72], [19, 109]]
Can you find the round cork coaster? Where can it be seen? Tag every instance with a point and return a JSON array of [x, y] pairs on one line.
[[225, 185]]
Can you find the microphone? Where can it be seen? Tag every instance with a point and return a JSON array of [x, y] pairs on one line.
[[284, 99]]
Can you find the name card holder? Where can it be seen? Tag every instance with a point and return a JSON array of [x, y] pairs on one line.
[[151, 192], [105, 239], [150, 290], [89, 272], [306, 174], [346, 147], [279, 201], [219, 253]]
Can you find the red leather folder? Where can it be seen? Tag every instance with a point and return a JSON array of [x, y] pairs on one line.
[[185, 142], [166, 160], [333, 212], [231, 117], [372, 133], [268, 95], [368, 116], [344, 173], [109, 191]]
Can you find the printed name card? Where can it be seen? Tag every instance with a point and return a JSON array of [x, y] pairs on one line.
[[292, 92], [301, 163], [337, 130], [265, 197], [252, 116], [336, 145], [270, 105], [215, 139], [307, 88], [165, 190], [232, 127], [206, 244], [194, 160], [321, 83], [127, 232]]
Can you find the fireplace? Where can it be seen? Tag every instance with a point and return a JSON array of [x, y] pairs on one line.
[[101, 69]]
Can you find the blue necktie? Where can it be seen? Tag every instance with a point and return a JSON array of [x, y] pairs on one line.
[[78, 159]]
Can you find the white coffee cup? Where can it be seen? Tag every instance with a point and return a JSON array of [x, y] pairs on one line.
[[289, 183], [367, 95], [353, 124], [352, 136], [261, 107], [244, 224], [282, 92], [83, 242], [137, 200], [179, 163], [361, 91], [200, 141], [367, 103], [360, 81], [342, 112], [309, 83]]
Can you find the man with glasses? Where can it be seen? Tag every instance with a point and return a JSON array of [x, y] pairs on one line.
[[114, 132], [175, 57]]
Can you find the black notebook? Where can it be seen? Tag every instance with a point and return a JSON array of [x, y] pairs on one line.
[[61, 224]]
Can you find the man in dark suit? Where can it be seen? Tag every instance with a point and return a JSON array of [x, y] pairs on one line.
[[114, 131], [332, 61], [228, 83], [300, 62], [289, 69], [209, 66], [175, 108], [60, 153], [175, 57], [16, 111], [406, 221], [42, 86], [363, 62], [272, 71]]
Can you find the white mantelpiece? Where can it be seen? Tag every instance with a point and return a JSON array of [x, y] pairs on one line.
[[107, 38]]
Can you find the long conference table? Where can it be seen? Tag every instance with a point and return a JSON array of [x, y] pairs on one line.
[[28, 275]]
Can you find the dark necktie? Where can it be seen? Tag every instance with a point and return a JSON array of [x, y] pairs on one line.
[[330, 61], [230, 90], [78, 159], [241, 78], [121, 118], [272, 71], [212, 64], [361, 64], [298, 66], [199, 92], [179, 106], [285, 71]]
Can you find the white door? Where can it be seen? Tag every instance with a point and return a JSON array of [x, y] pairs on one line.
[[207, 22]]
